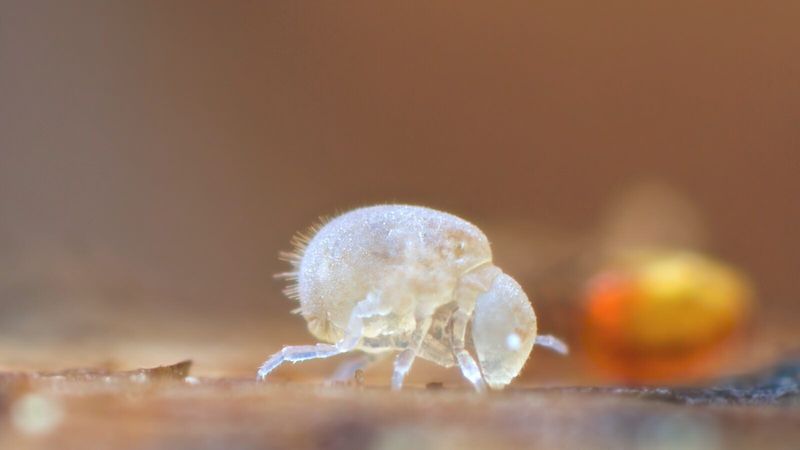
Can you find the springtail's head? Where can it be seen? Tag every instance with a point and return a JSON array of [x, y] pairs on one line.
[[503, 331]]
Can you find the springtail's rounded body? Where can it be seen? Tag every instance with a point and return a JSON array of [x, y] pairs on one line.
[[409, 279]]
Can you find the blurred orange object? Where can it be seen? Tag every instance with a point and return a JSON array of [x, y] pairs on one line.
[[664, 316]]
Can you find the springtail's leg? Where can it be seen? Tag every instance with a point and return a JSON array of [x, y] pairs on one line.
[[347, 370], [402, 365], [469, 368], [297, 353]]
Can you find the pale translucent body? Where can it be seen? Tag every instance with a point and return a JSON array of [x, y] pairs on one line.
[[408, 279]]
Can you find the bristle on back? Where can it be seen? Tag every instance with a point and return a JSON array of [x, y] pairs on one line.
[[299, 243]]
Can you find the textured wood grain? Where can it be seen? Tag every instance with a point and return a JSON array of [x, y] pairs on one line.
[[160, 409]]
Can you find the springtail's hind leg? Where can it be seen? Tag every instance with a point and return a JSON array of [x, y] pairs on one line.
[[297, 353], [404, 360], [553, 343], [469, 368]]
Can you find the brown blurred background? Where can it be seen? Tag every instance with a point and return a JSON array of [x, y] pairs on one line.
[[155, 156]]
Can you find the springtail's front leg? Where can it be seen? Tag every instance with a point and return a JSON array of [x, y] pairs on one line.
[[469, 368], [297, 353], [471, 285]]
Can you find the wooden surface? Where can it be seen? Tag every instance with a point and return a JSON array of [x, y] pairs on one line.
[[161, 409]]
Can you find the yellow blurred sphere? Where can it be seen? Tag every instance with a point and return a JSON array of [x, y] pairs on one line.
[[662, 316]]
